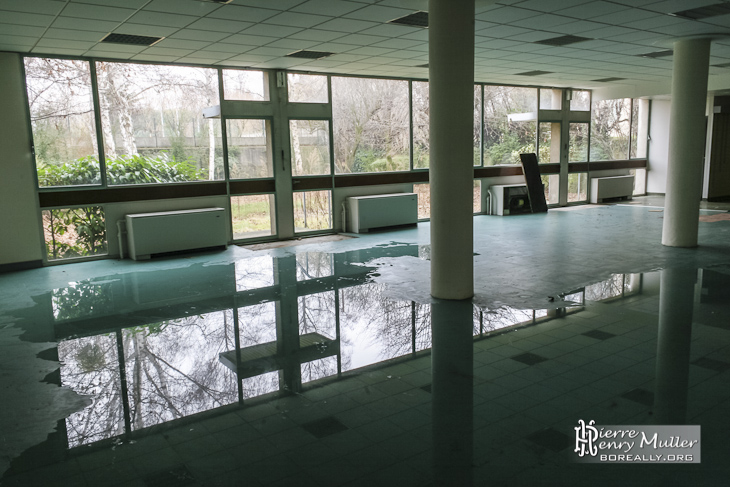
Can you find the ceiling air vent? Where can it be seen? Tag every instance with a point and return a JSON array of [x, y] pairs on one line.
[[309, 54], [563, 40], [607, 80], [418, 19], [533, 73], [704, 12], [131, 40], [657, 54]]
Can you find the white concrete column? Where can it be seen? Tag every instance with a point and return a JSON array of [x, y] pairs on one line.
[[451, 88], [686, 142]]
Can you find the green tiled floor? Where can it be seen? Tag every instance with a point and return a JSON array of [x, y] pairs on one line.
[[385, 423]]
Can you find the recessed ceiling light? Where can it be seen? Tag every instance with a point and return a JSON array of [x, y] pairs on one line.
[[130, 39], [657, 54], [563, 40], [534, 73], [418, 19], [704, 12], [309, 54]]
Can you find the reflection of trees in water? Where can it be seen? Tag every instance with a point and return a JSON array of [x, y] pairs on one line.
[[605, 289], [89, 366], [317, 315], [257, 325], [80, 299], [494, 319], [311, 265], [173, 368]]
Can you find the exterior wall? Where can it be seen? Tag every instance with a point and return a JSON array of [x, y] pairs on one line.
[[20, 228]]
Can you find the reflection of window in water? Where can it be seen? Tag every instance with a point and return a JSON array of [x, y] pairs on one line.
[[80, 299], [257, 324], [173, 369], [311, 265], [90, 366], [494, 319], [254, 273], [318, 369], [317, 314], [260, 384]]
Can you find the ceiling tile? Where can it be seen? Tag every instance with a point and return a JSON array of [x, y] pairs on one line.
[[182, 44], [249, 40], [551, 6], [544, 21], [397, 43], [109, 54], [591, 9], [162, 19], [270, 30], [247, 14], [165, 51], [199, 35], [21, 18], [135, 4], [326, 7], [121, 48], [78, 35], [219, 25], [391, 30], [270, 51], [61, 51], [84, 24], [505, 15], [145, 30], [316, 35], [65, 44], [49, 7], [9, 30], [346, 25], [275, 4], [97, 12], [155, 58], [297, 19], [296, 44], [198, 9], [361, 40], [233, 48], [377, 13], [14, 40]]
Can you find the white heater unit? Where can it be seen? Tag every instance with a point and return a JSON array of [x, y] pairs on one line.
[[382, 210], [172, 231], [611, 187]]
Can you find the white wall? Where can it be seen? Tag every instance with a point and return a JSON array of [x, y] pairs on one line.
[[20, 234], [656, 179]]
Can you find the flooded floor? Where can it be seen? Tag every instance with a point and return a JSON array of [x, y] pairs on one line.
[[329, 364]]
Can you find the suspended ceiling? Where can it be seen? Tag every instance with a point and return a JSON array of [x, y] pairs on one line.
[[261, 34]]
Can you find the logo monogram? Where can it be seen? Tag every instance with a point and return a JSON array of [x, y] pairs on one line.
[[585, 437]]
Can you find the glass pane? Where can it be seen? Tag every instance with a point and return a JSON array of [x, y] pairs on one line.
[[477, 137], [610, 126], [90, 367], [307, 88], [310, 147], [424, 200], [549, 145], [239, 84], [580, 101], [253, 216], [249, 149], [312, 265], [578, 142], [312, 211], [62, 120], [174, 367], [153, 125], [551, 99], [551, 184], [577, 187], [420, 125], [509, 123], [477, 196], [634, 127], [371, 128], [74, 232]]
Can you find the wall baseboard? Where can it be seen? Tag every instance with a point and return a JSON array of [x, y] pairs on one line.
[[20, 266]]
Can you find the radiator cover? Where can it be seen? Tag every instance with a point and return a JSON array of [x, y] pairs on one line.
[[172, 231], [382, 210], [611, 187]]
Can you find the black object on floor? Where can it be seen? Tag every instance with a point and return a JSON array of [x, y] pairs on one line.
[[534, 183]]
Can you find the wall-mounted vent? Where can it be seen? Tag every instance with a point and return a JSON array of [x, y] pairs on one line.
[[418, 19], [704, 12], [309, 54], [657, 54], [607, 80], [563, 40], [534, 73], [131, 40]]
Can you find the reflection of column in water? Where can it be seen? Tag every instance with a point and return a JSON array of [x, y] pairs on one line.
[[287, 323], [673, 345], [452, 392]]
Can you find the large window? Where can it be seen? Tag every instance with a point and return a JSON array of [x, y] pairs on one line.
[[421, 122], [610, 129], [509, 123], [245, 85], [310, 147], [253, 216], [249, 149], [153, 125], [62, 118], [312, 211], [371, 129], [307, 88], [74, 232]]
